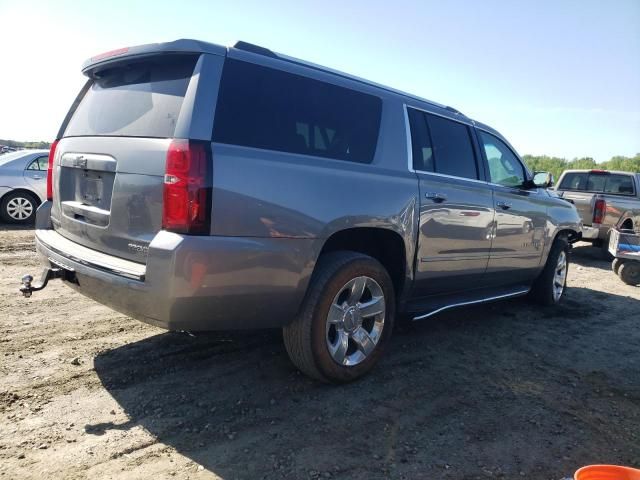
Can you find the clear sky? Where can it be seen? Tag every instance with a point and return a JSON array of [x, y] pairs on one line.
[[556, 77]]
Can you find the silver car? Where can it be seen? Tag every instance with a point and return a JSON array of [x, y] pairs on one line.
[[23, 184]]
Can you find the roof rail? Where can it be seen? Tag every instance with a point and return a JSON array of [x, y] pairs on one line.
[[250, 47]]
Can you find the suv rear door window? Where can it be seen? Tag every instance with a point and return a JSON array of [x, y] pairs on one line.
[[141, 99], [440, 145], [266, 108], [452, 149], [422, 150]]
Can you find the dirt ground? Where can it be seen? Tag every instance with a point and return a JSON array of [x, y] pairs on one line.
[[506, 390]]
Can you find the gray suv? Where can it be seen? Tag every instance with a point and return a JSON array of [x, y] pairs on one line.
[[198, 187]]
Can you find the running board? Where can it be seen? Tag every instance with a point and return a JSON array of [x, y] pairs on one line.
[[436, 306]]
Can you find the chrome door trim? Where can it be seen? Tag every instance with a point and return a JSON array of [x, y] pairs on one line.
[[407, 130], [467, 121], [472, 302]]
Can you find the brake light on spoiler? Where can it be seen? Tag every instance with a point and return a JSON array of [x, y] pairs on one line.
[[110, 53]]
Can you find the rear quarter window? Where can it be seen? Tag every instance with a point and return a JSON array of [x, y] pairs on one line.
[[271, 109], [141, 99]]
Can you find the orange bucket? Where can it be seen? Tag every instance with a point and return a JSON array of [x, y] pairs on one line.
[[606, 472]]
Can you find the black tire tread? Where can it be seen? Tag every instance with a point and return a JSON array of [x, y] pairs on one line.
[[624, 272], [297, 334], [541, 290]]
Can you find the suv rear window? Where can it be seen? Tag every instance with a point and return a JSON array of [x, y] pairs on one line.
[[267, 108], [141, 99], [597, 182]]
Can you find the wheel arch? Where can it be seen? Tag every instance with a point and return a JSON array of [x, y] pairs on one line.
[[384, 244], [31, 193], [571, 234]]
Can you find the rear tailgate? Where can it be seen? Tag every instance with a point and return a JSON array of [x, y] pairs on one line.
[[109, 165], [584, 203]]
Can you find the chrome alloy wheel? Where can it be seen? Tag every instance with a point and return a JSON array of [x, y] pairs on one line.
[[19, 208], [355, 321], [560, 276]]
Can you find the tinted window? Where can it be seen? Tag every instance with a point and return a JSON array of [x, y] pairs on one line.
[[266, 108], [598, 182], [420, 141], [142, 99], [452, 149], [504, 167]]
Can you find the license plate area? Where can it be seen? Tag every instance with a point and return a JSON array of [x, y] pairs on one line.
[[85, 187]]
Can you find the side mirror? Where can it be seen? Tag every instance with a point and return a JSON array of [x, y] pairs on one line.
[[543, 179]]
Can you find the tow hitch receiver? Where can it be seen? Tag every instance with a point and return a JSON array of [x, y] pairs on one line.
[[49, 273]]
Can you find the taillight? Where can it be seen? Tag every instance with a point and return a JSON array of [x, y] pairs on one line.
[[52, 156], [187, 188], [599, 210]]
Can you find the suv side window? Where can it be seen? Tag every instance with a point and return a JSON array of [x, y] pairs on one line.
[[441, 146], [271, 109], [504, 167], [452, 147], [422, 152]]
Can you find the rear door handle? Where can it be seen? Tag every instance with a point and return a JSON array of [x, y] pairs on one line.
[[504, 205], [36, 177], [436, 197]]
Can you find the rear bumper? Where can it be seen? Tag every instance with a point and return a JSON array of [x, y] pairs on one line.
[[192, 283], [592, 233]]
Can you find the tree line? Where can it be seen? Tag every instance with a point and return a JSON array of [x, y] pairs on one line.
[[557, 165], [16, 144]]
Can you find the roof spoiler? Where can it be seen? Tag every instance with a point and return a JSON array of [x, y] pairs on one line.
[[140, 51]]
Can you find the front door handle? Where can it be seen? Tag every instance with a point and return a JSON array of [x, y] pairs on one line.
[[436, 197], [504, 205]]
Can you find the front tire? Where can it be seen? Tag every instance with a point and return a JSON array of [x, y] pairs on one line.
[[552, 282], [346, 319], [18, 208]]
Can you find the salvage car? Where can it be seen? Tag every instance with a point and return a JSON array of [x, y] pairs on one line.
[[198, 187]]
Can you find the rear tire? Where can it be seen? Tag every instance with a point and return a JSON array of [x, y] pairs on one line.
[[346, 319], [18, 208], [552, 281], [629, 272]]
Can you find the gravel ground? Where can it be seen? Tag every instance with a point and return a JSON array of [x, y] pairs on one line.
[[507, 390]]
